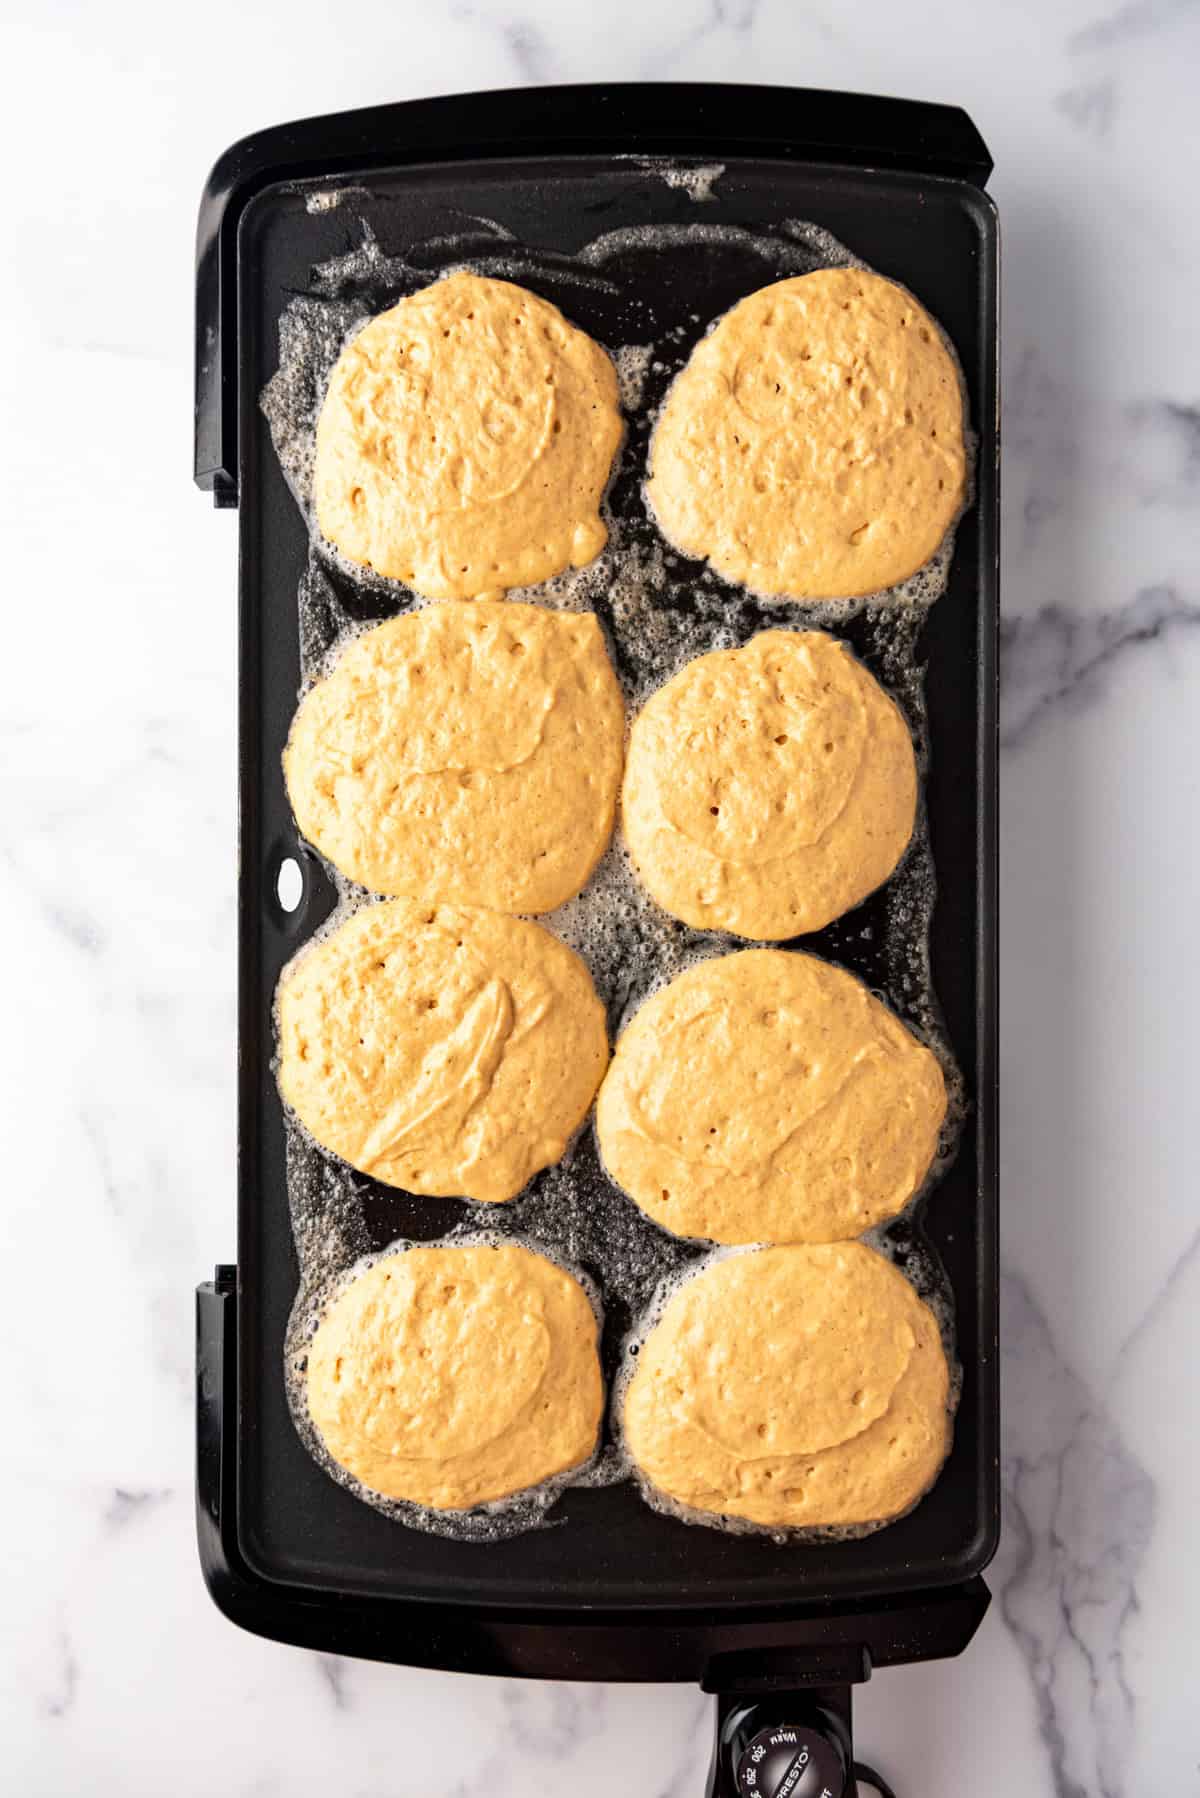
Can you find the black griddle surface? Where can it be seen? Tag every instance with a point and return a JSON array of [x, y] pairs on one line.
[[605, 1551]]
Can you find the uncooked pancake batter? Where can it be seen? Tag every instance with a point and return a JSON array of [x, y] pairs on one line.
[[440, 1049], [769, 1097], [451, 1376], [770, 788], [813, 445], [467, 752], [465, 441], [794, 1387]]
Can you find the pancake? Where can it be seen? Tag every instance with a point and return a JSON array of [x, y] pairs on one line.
[[812, 447], [440, 1049], [451, 1376], [794, 1387], [769, 1097], [770, 788], [465, 441], [467, 752]]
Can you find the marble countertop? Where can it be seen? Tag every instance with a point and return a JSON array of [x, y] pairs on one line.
[[117, 887]]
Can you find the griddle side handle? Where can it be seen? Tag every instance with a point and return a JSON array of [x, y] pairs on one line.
[[216, 1397], [701, 119]]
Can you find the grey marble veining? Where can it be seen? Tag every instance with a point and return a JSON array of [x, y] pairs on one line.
[[1055, 658], [1079, 1511]]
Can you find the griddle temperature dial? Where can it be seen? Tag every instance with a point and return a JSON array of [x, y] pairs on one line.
[[791, 1761]]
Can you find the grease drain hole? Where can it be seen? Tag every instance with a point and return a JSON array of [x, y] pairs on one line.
[[289, 884]]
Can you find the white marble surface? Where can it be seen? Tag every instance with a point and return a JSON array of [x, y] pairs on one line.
[[117, 871]]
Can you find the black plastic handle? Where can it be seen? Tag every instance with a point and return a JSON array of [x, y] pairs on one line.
[[633, 118]]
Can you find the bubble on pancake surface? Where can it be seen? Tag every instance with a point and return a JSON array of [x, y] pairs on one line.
[[659, 610]]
